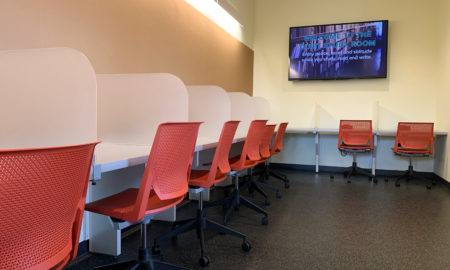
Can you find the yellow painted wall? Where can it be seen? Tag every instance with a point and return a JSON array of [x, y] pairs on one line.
[[409, 93], [443, 100]]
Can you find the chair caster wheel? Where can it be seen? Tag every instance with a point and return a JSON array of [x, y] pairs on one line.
[[375, 180], [266, 202], [331, 176], [265, 221], [287, 185], [246, 246], [203, 261], [278, 195], [348, 181], [156, 250], [397, 184], [428, 187]]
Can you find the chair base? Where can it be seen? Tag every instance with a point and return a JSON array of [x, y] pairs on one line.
[[260, 184], [200, 223], [140, 265], [144, 262], [411, 174], [355, 170], [234, 201]]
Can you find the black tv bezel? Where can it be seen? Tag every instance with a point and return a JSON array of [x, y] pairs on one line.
[[340, 78]]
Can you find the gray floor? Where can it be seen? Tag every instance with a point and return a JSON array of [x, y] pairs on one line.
[[321, 224]]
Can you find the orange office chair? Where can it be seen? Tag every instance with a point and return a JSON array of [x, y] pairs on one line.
[[264, 150], [277, 146], [355, 136], [413, 140], [200, 181], [247, 159], [43, 192], [164, 184]]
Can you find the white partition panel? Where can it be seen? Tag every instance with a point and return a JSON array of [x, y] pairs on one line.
[[47, 98], [211, 105], [131, 106], [242, 108], [262, 108], [328, 116]]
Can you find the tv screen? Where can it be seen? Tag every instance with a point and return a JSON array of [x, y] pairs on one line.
[[338, 51]]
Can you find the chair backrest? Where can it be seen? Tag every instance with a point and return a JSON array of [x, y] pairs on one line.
[[415, 136], [266, 139], [220, 161], [355, 133], [43, 193], [168, 166], [250, 151], [277, 145]]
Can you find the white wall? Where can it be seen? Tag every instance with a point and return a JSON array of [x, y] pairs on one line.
[[409, 92], [417, 77], [443, 112], [246, 10]]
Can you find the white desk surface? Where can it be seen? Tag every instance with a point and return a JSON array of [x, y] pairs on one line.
[[115, 156], [336, 131]]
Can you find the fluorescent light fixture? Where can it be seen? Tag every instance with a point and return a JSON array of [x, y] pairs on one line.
[[216, 13]]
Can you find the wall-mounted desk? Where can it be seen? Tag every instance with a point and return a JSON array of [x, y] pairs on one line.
[[376, 134]]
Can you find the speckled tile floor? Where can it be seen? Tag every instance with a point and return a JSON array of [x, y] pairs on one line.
[[319, 224]]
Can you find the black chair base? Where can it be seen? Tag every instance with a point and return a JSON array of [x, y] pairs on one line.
[[278, 176], [200, 223], [234, 201], [260, 184], [411, 174], [145, 261], [355, 170]]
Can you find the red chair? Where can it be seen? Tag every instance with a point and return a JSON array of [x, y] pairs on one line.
[[247, 159], [413, 140], [164, 184], [200, 181], [43, 193], [355, 136], [264, 150], [277, 146]]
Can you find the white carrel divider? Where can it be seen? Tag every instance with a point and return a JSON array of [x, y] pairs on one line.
[[130, 108], [48, 97], [261, 108], [211, 105], [242, 108]]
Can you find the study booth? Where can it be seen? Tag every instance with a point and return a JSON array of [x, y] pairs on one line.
[[124, 110], [318, 142]]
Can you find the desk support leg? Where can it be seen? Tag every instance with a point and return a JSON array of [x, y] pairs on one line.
[[316, 139], [374, 153]]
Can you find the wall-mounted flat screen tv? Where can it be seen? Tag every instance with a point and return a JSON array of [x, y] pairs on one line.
[[338, 51]]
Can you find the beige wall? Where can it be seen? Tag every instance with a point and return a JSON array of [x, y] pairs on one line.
[[133, 36], [443, 101], [246, 9], [409, 92]]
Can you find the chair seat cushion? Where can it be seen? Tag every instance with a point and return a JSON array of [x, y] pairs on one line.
[[121, 205], [199, 178]]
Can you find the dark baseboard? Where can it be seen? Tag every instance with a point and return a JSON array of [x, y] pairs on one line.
[[335, 169]]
